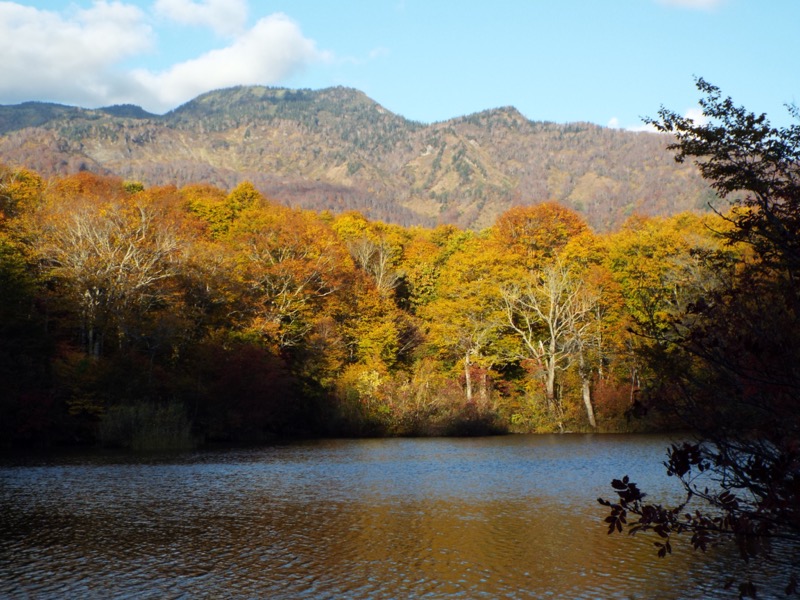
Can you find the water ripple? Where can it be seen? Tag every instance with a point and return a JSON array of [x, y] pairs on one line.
[[488, 518]]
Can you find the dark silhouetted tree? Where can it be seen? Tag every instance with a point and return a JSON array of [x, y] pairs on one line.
[[729, 363]]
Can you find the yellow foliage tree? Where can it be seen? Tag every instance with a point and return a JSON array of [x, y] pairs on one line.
[[288, 264], [465, 321]]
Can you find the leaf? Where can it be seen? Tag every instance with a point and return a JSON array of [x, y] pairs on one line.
[[662, 550], [616, 519], [619, 485]]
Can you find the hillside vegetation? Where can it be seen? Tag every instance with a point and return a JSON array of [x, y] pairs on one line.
[[336, 149]]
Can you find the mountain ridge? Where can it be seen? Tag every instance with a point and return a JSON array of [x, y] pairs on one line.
[[337, 149]]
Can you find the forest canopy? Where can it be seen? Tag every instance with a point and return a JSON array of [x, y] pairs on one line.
[[166, 316]]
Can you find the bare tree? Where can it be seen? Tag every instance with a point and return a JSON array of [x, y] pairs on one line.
[[110, 257], [552, 313], [377, 258]]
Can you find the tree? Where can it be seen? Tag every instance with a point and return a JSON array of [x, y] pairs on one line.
[[108, 253], [728, 361], [537, 233], [465, 320], [424, 256], [288, 264], [210, 205], [375, 248], [658, 268], [599, 339], [26, 409], [20, 190], [552, 313]]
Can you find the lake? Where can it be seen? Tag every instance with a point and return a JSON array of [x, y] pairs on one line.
[[500, 517]]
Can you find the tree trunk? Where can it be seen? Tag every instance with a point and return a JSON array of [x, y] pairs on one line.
[[587, 401], [550, 381], [467, 377], [586, 380], [484, 393]]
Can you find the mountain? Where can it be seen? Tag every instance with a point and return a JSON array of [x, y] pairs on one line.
[[336, 149]]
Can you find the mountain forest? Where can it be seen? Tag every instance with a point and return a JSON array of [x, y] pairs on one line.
[[336, 149]]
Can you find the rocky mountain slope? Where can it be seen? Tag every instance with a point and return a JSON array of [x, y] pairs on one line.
[[336, 149]]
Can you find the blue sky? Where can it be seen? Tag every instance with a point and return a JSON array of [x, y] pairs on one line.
[[609, 62]]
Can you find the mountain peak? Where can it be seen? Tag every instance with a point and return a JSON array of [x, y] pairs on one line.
[[127, 111], [244, 104]]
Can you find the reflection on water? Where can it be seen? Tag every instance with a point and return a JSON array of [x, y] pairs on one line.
[[509, 517]]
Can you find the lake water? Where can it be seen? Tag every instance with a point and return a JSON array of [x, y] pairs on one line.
[[502, 517]]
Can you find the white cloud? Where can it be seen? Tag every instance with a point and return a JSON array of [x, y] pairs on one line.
[[696, 115], [644, 127], [68, 58], [694, 4], [74, 57], [615, 123], [225, 17], [271, 51]]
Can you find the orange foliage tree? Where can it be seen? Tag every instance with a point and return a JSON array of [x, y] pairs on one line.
[[288, 265], [108, 252], [390, 329], [537, 233]]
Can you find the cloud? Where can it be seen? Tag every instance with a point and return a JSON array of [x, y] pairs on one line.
[[696, 115], [273, 50], [225, 17], [75, 56], [694, 4], [615, 123], [68, 58], [643, 128]]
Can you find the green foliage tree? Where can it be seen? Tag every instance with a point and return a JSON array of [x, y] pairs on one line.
[[728, 361]]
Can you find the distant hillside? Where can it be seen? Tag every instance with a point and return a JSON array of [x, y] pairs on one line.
[[336, 149]]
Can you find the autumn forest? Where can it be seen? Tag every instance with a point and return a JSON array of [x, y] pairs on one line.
[[173, 316]]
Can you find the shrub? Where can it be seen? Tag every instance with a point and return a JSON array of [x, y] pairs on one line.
[[146, 427]]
